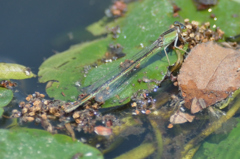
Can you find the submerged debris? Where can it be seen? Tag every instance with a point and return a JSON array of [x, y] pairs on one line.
[[143, 103], [180, 117], [104, 131], [44, 111], [7, 84]]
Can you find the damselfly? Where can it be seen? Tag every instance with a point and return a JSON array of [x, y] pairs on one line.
[[107, 85]]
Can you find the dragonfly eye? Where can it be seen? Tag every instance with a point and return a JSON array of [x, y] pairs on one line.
[[180, 25], [176, 23], [183, 27]]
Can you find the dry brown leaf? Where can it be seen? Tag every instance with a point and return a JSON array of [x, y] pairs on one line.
[[210, 74], [180, 117]]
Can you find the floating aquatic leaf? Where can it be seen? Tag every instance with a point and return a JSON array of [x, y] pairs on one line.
[[33, 143], [6, 96], [66, 68], [208, 75], [14, 71], [11, 71]]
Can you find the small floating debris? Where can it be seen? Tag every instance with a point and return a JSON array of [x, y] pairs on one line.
[[118, 9], [104, 131]]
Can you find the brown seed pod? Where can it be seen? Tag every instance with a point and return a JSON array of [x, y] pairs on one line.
[[207, 24], [38, 108], [32, 109], [184, 34], [37, 102], [44, 116], [41, 95], [37, 94], [14, 111], [78, 121], [31, 114], [203, 28], [189, 26], [46, 102], [197, 37], [30, 119], [76, 114], [195, 24], [52, 110], [205, 40], [24, 110], [29, 97], [192, 35], [220, 32], [95, 106], [212, 39], [57, 114], [186, 21], [134, 104], [22, 104], [28, 105]]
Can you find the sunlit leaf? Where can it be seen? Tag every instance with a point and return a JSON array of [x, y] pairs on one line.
[[33, 143], [67, 68], [14, 71]]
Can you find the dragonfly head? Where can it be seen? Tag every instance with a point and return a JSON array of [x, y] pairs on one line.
[[180, 25]]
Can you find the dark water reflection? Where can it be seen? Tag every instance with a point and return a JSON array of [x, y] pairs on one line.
[[30, 29]]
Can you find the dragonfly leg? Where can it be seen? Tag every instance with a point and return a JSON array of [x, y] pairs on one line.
[[176, 47], [175, 43], [166, 54]]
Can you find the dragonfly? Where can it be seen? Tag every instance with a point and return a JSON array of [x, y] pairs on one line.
[[107, 86]]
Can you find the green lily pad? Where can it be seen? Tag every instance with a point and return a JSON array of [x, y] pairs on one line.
[[34, 143], [6, 96], [226, 12], [14, 71], [99, 28], [65, 69]]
